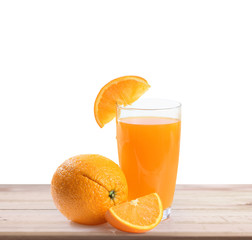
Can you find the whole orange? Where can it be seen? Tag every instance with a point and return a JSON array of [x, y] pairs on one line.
[[84, 187]]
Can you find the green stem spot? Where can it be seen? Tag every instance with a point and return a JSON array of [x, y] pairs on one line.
[[112, 194]]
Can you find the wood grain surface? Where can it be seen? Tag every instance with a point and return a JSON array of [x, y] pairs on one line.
[[199, 212]]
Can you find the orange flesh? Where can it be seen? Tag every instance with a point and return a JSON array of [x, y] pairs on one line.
[[140, 215], [148, 150], [140, 207], [123, 91]]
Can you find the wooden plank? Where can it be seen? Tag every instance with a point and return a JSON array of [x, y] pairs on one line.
[[33, 219], [30, 196], [186, 196], [199, 212]]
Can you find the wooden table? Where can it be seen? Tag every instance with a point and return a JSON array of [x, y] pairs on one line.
[[199, 212]]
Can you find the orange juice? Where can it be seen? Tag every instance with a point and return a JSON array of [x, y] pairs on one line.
[[148, 149]]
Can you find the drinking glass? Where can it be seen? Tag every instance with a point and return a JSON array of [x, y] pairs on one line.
[[148, 140]]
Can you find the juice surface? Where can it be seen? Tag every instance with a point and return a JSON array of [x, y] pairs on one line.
[[148, 149]]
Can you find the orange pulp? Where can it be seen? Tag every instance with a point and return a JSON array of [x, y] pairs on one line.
[[148, 149]]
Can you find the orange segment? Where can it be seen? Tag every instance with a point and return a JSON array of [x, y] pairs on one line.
[[124, 91], [137, 216]]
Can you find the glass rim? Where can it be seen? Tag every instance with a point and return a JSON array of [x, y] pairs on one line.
[[177, 105]]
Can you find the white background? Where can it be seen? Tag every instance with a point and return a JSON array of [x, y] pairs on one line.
[[56, 55]]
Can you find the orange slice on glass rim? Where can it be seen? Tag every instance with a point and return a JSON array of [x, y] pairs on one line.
[[123, 91], [136, 216]]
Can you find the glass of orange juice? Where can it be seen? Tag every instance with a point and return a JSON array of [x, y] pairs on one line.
[[148, 139]]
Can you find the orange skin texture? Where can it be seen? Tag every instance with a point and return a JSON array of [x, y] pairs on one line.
[[123, 91], [80, 188], [131, 218]]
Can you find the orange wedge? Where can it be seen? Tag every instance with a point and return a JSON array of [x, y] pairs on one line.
[[123, 91], [136, 216]]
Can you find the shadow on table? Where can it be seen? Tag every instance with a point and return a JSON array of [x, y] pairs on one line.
[[106, 227]]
